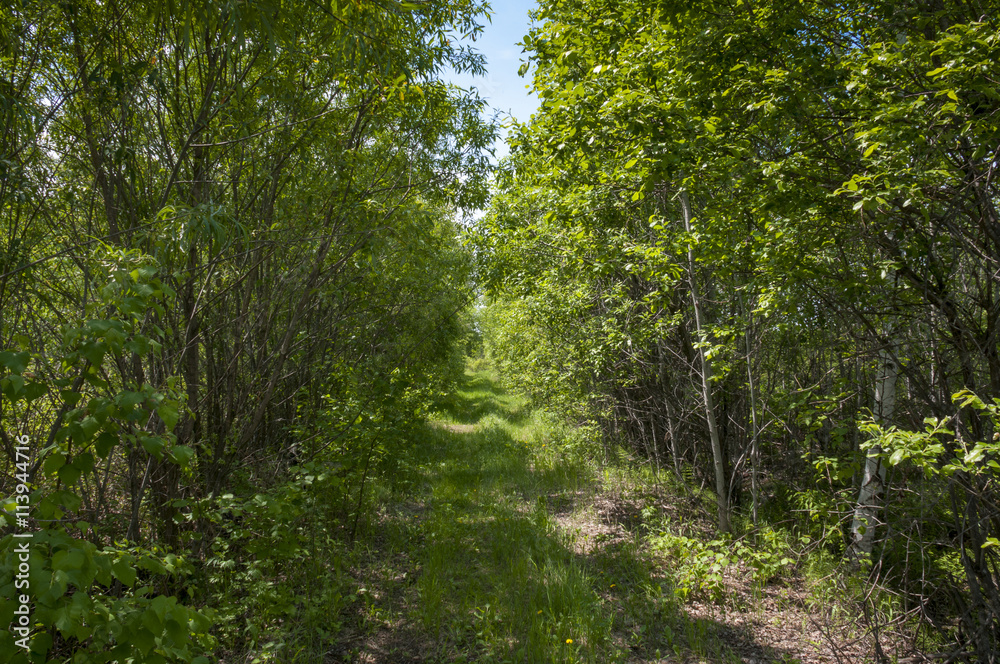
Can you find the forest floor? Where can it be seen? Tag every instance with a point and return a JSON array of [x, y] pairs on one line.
[[501, 543]]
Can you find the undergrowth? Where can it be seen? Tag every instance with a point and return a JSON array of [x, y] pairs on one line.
[[492, 534], [498, 577]]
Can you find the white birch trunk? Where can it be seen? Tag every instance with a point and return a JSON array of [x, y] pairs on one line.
[[873, 480]]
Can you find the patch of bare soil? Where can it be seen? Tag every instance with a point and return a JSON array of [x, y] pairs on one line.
[[778, 618], [776, 623]]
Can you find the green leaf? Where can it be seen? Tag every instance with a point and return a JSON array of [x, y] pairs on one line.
[[89, 426], [69, 474], [35, 390], [94, 352], [105, 443], [151, 564], [124, 571], [153, 445], [168, 413], [175, 631], [13, 385], [143, 639], [15, 362], [69, 499], [152, 621], [53, 462], [975, 455], [72, 560], [130, 399], [84, 461], [181, 454]]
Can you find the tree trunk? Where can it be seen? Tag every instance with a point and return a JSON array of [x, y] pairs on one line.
[[721, 490], [754, 452], [873, 480]]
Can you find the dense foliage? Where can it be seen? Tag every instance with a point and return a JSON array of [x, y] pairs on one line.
[[772, 227], [229, 279]]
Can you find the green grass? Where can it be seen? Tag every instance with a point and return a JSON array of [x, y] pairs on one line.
[[498, 581], [496, 577], [496, 533]]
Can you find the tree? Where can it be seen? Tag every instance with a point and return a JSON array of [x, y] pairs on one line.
[[221, 222], [822, 147]]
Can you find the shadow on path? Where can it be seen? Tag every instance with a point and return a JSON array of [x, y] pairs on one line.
[[477, 396], [493, 574]]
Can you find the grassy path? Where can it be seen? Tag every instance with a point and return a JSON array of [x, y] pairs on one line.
[[495, 543]]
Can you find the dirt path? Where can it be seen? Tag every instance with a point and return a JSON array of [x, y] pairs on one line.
[[501, 545]]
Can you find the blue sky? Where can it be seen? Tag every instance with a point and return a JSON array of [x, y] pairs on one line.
[[502, 88]]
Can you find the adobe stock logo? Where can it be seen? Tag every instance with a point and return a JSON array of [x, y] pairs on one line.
[[21, 623]]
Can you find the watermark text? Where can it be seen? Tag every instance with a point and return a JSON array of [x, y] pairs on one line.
[[21, 623]]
